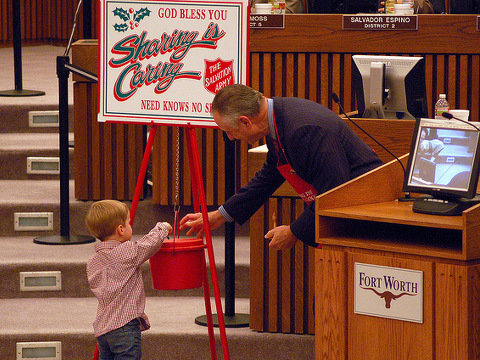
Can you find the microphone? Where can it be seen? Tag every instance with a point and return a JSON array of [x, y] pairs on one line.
[[450, 116], [337, 100]]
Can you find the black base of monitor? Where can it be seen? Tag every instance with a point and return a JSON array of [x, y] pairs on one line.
[[451, 207], [406, 198]]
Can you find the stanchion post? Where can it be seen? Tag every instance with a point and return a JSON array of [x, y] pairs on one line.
[[17, 58], [17, 46], [63, 74], [87, 19], [64, 238], [232, 319], [229, 230]]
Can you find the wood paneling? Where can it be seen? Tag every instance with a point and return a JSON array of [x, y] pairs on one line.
[[346, 335], [322, 33], [46, 20], [450, 280], [331, 287], [211, 148], [318, 43], [322, 75], [387, 338], [281, 282], [107, 156], [313, 60]]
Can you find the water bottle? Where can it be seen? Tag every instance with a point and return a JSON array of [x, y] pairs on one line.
[[412, 5], [441, 106]]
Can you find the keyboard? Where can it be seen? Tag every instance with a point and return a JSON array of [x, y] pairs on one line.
[[435, 206]]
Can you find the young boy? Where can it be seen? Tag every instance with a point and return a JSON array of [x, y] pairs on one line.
[[115, 278]]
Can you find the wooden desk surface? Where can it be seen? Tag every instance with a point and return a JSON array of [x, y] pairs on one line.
[[394, 212]]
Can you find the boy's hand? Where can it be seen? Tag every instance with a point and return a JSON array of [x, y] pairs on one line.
[[168, 226]]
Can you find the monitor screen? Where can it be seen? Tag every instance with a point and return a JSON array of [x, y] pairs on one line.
[[444, 159], [389, 87]]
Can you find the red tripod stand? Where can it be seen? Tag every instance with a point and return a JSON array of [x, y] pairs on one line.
[[199, 202]]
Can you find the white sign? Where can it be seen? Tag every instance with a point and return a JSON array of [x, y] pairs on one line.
[[389, 292], [163, 61]]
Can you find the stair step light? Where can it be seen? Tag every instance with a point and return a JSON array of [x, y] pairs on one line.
[[33, 221], [40, 280], [46, 350], [43, 165], [43, 118]]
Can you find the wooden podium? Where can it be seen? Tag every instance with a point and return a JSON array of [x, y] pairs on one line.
[[363, 222]]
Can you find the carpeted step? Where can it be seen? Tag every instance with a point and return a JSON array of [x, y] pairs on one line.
[[15, 117], [21, 254], [39, 72], [44, 196], [16, 148], [24, 196], [173, 335]]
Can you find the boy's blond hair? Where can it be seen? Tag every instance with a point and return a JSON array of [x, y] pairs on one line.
[[104, 216]]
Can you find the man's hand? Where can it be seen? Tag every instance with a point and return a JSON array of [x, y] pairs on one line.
[[281, 238], [195, 222]]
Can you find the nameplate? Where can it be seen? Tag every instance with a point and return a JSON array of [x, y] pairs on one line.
[[379, 22], [388, 292], [267, 21]]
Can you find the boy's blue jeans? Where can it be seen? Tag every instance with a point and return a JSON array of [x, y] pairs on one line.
[[121, 344]]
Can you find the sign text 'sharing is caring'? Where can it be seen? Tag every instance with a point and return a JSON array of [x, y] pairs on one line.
[[163, 62]]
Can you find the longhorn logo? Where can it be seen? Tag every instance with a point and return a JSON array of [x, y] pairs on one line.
[[388, 296]]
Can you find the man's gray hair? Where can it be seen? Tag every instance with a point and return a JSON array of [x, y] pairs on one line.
[[237, 100]]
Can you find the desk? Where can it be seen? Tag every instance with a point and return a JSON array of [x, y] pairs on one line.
[[372, 227]]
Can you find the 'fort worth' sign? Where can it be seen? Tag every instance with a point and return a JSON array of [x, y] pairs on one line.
[[388, 292]]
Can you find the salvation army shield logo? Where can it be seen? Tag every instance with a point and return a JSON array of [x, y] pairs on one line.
[[218, 74]]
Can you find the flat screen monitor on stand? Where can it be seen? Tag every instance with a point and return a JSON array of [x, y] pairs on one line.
[[443, 164], [389, 87]]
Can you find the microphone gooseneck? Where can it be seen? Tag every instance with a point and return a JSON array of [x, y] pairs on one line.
[[337, 100], [407, 196], [450, 116]]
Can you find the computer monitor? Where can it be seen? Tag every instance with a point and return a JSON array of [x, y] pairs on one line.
[[389, 87], [444, 163]]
